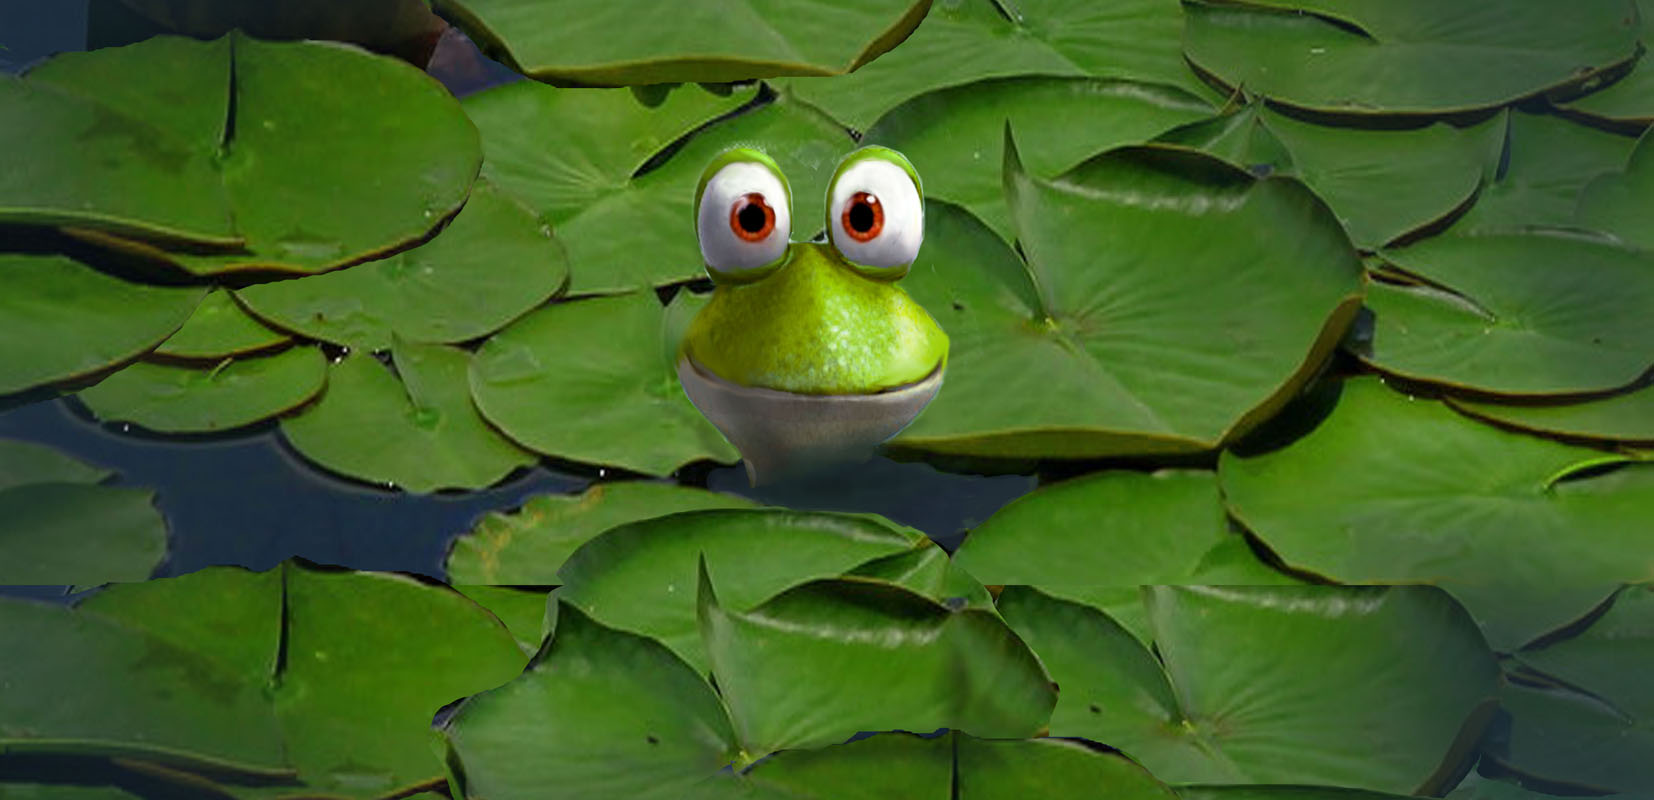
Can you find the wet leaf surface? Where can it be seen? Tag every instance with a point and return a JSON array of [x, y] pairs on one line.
[[237, 392]]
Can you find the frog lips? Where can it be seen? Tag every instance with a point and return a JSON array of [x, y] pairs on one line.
[[778, 431]]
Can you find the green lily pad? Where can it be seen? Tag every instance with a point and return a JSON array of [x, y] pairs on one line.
[[577, 156], [521, 609], [1283, 793], [492, 264], [1627, 417], [55, 533], [969, 40], [613, 44], [535, 384], [1323, 55], [238, 392], [878, 767], [1631, 98], [1618, 203], [1133, 357], [1599, 736], [60, 319], [597, 713], [528, 546], [929, 571], [1272, 685], [1534, 175], [1061, 122], [234, 616], [785, 667], [219, 328], [23, 463], [420, 433], [990, 769], [1418, 493], [1382, 184], [1515, 314], [315, 173], [638, 577]]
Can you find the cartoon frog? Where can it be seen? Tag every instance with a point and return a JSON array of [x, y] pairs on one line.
[[808, 352]]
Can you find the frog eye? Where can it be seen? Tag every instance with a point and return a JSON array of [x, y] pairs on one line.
[[875, 212], [743, 215]]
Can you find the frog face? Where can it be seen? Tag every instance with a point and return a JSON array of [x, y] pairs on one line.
[[809, 350]]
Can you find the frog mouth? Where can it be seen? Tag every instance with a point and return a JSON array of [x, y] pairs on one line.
[[781, 433]]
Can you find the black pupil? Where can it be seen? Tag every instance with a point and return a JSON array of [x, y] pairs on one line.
[[861, 217], [751, 217]]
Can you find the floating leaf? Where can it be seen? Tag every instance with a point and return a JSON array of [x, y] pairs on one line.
[[1323, 55], [1619, 203], [228, 615], [1631, 98], [420, 433], [1535, 174], [612, 400], [54, 533], [181, 399], [492, 264], [23, 463], [929, 571], [909, 662], [1130, 356], [527, 547], [639, 577], [606, 43], [989, 769], [60, 319], [966, 41], [523, 610], [597, 713], [1061, 122], [1272, 685], [1516, 314], [220, 328], [875, 768], [1627, 417], [1417, 493]]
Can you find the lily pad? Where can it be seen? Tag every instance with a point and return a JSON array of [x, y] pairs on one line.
[[1418, 493], [23, 463], [1272, 685], [1627, 417], [56, 533], [528, 546], [1131, 355], [929, 571], [1631, 98], [521, 609], [1061, 122], [1618, 203], [613, 44], [638, 577], [219, 328], [1515, 314], [909, 662], [613, 399], [1323, 55], [1382, 184], [420, 433], [992, 769], [60, 319], [492, 264], [234, 616], [597, 713], [315, 173], [1534, 175], [875, 768], [181, 399], [969, 40]]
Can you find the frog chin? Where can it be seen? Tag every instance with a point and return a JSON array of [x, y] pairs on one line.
[[783, 433]]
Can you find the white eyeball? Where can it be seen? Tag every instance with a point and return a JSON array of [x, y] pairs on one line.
[[744, 215], [875, 215]]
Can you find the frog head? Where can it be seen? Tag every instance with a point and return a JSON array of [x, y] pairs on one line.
[[810, 352]]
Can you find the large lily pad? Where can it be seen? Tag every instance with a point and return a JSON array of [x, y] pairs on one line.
[[598, 713], [1272, 685], [638, 577], [1154, 318], [1627, 417], [1418, 493], [1534, 176], [23, 463], [235, 393], [1518, 314], [911, 663], [990, 769], [528, 546], [613, 399], [884, 766], [969, 40], [1382, 184], [219, 328], [492, 264], [1060, 121], [1324, 54], [1619, 203], [1629, 99], [576, 156], [522, 609], [419, 433], [61, 533], [60, 319], [615, 44], [315, 173]]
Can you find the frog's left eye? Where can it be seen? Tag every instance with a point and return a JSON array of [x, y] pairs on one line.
[[743, 215], [875, 212]]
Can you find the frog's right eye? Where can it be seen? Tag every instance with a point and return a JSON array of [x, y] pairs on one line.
[[743, 216]]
